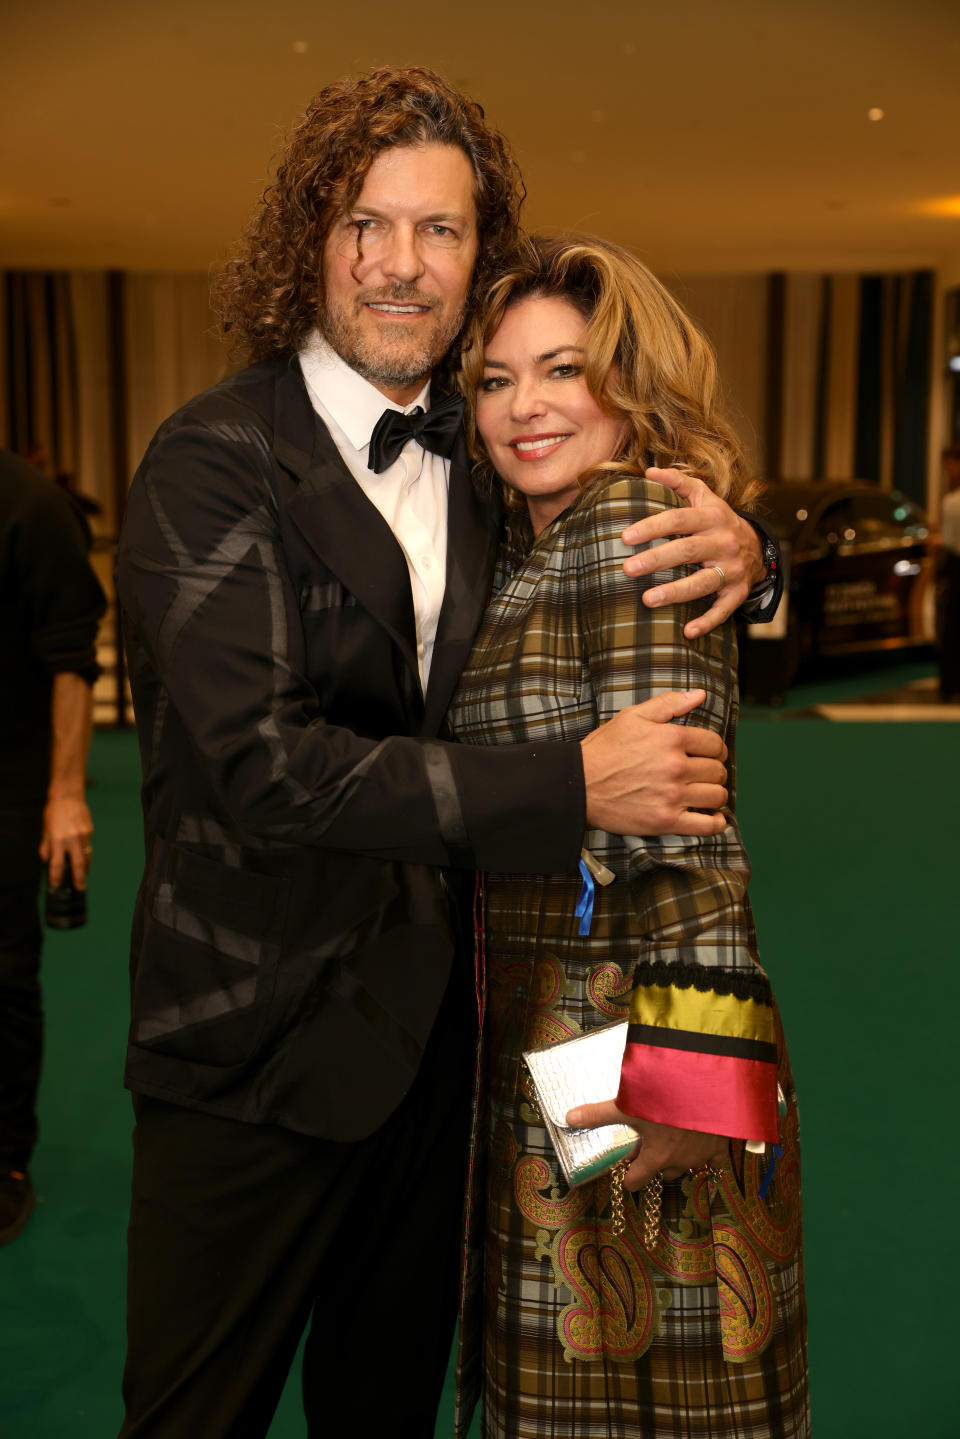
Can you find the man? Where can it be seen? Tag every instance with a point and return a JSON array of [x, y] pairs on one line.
[[301, 586], [50, 604]]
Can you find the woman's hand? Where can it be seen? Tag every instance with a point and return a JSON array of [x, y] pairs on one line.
[[662, 1149], [705, 532]]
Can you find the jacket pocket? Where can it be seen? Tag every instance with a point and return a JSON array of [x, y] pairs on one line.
[[207, 964]]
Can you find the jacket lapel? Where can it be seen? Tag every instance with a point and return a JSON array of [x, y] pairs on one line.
[[471, 546], [336, 519]]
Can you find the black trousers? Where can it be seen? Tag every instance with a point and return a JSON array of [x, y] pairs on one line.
[[21, 1014], [241, 1235]]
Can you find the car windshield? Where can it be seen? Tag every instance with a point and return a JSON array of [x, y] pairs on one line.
[[788, 508], [861, 514]]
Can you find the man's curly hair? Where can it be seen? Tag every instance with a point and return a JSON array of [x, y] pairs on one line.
[[269, 295]]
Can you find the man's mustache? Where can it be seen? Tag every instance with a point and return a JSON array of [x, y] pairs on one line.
[[398, 295]]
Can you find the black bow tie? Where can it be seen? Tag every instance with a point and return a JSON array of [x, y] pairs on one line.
[[435, 429]]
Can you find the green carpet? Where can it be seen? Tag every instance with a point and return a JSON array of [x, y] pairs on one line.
[[852, 832]]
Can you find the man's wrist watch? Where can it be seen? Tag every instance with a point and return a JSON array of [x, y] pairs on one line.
[[770, 554], [762, 601]]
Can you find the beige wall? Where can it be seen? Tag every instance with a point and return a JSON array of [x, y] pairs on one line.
[[732, 310], [173, 350]]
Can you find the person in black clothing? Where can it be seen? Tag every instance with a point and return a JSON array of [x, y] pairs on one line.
[[50, 604]]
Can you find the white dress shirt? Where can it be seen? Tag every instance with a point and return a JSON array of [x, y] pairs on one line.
[[411, 494]]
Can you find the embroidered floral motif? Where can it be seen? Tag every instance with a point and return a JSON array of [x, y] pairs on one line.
[[746, 1301], [609, 992], [550, 984], [617, 1310], [544, 1024], [541, 1200], [773, 1223]]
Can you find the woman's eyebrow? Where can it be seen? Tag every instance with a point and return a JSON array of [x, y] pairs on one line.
[[538, 359], [560, 350]]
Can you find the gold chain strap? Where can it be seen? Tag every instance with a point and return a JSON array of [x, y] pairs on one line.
[[652, 1197], [617, 1221]]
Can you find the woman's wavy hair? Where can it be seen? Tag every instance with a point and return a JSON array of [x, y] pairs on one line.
[[270, 293], [646, 360]]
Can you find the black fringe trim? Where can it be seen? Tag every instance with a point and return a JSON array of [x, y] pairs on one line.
[[705, 980]]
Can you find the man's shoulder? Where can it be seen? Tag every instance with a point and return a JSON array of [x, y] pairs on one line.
[[248, 396], [249, 423]]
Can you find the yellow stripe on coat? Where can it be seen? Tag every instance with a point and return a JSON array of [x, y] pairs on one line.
[[708, 1013]]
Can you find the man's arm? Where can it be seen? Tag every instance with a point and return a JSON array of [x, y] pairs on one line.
[[708, 533], [63, 602], [67, 825], [212, 612], [640, 766]]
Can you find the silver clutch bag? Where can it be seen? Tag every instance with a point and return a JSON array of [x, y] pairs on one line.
[[582, 1070]]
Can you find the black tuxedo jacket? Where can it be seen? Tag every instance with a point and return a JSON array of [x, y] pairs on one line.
[[291, 941]]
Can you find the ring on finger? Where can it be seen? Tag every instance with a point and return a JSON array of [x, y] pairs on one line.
[[707, 1171], [723, 578]]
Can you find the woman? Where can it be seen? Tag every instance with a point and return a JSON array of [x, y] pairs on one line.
[[581, 375]]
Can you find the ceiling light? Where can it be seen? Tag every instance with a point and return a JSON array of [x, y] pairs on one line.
[[875, 113], [300, 47], [946, 205]]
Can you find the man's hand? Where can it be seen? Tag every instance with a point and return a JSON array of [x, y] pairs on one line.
[[662, 1149], [67, 825], [646, 776], [705, 532], [67, 828]]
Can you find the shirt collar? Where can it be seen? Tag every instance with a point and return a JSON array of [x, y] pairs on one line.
[[352, 401]]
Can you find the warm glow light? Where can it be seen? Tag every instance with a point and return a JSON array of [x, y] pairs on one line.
[[300, 47], [948, 205], [875, 113]]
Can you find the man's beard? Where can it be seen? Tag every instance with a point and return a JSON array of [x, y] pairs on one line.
[[401, 363]]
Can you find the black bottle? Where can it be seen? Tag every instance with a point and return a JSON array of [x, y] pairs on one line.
[[66, 906]]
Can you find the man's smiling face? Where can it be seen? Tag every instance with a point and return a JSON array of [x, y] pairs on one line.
[[397, 267]]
